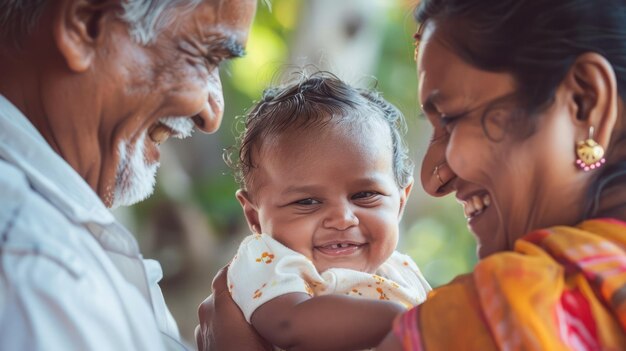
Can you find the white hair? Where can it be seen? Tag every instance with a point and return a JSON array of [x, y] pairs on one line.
[[135, 177], [144, 17]]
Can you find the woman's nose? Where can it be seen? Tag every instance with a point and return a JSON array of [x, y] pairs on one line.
[[341, 218], [208, 120], [436, 175]]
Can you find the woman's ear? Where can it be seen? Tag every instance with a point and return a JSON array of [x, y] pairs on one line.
[[594, 85], [404, 197], [79, 26], [249, 210]]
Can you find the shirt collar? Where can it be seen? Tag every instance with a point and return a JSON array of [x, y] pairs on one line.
[[50, 175]]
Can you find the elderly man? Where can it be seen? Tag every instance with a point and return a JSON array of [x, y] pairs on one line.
[[88, 91]]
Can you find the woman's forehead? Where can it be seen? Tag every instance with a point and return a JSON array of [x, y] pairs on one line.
[[436, 67], [443, 76]]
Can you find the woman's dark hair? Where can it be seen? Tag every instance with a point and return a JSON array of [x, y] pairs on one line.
[[537, 41], [313, 101]]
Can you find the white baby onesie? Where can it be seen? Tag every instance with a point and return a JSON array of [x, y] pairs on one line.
[[263, 269]]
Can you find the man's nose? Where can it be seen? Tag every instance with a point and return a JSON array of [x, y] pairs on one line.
[[340, 217], [208, 120]]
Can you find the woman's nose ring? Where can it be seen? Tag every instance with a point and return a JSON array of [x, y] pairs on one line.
[[436, 173]]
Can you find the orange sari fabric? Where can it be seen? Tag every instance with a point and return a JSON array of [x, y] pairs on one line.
[[562, 288]]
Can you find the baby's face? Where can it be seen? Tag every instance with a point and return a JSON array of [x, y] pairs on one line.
[[330, 194]]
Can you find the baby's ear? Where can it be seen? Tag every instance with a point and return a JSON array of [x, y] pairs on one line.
[[404, 197], [249, 210]]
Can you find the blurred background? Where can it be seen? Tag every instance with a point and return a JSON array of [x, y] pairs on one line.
[[193, 223]]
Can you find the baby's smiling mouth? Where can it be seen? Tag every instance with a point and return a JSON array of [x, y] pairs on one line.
[[340, 248]]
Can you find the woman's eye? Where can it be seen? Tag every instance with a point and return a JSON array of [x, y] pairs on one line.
[[447, 122], [307, 202]]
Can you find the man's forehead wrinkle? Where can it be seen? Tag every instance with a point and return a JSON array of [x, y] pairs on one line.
[[224, 16]]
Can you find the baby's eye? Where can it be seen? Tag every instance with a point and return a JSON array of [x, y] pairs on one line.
[[364, 195], [307, 202]]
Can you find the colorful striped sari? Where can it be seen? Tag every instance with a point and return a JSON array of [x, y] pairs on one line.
[[562, 288]]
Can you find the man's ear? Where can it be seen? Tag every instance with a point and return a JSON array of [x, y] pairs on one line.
[[79, 26], [404, 197], [249, 210], [593, 83]]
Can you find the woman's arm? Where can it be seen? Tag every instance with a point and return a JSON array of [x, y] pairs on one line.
[[297, 321]]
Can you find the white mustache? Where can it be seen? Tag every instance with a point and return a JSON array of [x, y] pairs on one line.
[[182, 127]]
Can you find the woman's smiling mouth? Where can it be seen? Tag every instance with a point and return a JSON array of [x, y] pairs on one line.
[[475, 205]]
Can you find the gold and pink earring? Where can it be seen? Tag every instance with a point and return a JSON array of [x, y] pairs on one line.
[[590, 153]]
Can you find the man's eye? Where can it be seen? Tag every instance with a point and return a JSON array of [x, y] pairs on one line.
[[214, 60], [307, 202]]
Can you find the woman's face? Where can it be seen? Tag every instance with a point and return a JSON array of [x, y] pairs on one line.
[[507, 184]]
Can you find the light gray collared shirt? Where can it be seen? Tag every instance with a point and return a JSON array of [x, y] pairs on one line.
[[71, 276]]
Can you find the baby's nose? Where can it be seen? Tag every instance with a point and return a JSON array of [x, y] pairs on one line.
[[341, 218]]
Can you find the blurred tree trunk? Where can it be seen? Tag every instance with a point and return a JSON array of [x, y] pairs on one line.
[[340, 36]]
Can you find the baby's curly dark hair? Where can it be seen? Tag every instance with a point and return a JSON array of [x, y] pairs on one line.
[[312, 101]]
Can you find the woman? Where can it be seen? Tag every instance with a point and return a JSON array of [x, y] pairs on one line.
[[526, 98]]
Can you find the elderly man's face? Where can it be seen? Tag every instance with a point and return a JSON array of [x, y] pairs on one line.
[[163, 89]]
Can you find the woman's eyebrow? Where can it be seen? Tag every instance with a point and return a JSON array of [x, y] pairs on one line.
[[435, 98]]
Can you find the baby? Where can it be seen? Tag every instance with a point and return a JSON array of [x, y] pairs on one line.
[[325, 177]]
